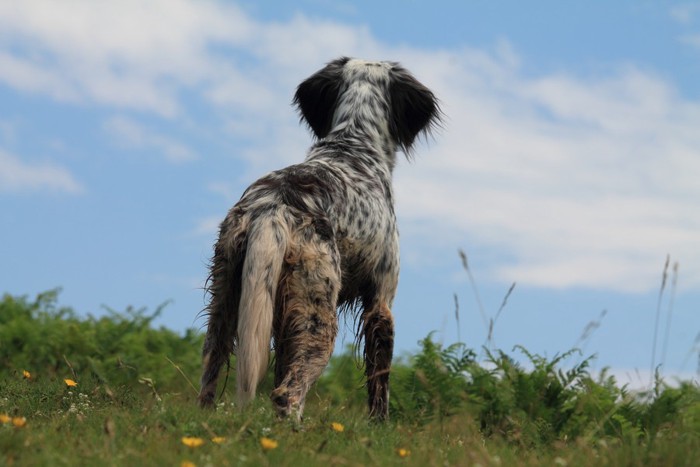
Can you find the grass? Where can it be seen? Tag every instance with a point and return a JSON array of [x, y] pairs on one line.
[[130, 426], [67, 426], [134, 404]]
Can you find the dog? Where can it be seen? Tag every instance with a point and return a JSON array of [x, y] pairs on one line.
[[314, 238]]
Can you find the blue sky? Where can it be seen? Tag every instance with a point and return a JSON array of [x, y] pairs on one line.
[[569, 161]]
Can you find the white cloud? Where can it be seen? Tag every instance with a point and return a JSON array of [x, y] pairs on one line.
[[685, 13], [127, 54], [578, 182], [18, 177], [132, 134], [26, 76]]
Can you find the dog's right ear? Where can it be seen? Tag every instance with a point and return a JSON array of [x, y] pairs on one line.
[[317, 97]]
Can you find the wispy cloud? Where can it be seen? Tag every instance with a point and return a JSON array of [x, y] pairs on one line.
[[126, 54], [685, 13], [17, 176], [127, 132], [578, 182]]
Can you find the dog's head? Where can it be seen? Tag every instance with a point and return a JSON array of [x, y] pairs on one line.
[[383, 94]]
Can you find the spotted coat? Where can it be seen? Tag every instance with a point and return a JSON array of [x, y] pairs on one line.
[[319, 235]]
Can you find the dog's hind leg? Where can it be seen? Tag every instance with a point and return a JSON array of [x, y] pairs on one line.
[[378, 332], [306, 323]]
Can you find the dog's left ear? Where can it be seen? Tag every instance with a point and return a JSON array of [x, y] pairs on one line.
[[414, 108], [317, 97]]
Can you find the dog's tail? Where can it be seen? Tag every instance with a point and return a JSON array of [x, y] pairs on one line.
[[261, 273]]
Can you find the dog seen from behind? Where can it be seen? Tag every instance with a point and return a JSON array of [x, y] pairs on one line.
[[316, 237]]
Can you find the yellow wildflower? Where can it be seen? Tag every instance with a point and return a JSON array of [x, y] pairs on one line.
[[267, 443], [403, 452], [4, 418], [26, 374], [192, 442], [70, 383], [335, 426], [187, 464], [19, 422], [218, 439]]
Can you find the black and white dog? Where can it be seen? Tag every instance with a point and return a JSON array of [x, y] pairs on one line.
[[308, 239]]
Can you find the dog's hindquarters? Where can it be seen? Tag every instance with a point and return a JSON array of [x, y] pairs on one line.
[[279, 272], [245, 272]]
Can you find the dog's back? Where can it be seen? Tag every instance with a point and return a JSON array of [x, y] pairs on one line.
[[317, 235]]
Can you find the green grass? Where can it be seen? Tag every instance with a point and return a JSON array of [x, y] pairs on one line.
[[135, 402], [130, 426]]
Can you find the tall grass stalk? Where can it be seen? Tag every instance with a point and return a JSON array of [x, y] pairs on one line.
[[489, 323], [588, 331], [492, 321], [475, 289], [664, 278], [459, 338], [674, 283]]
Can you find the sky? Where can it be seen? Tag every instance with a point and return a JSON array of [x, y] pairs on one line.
[[568, 162]]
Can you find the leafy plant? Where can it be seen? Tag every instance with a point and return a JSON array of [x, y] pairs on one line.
[[118, 348]]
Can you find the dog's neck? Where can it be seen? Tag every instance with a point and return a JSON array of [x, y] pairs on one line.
[[361, 118]]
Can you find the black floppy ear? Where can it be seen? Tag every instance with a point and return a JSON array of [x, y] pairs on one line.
[[414, 108], [317, 97]]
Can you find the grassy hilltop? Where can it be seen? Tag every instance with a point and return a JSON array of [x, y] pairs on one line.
[[116, 391]]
